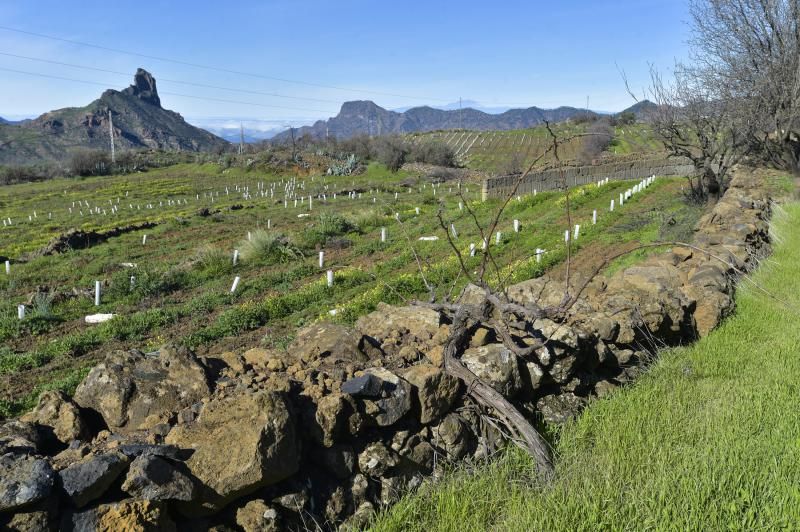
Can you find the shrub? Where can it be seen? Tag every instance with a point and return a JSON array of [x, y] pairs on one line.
[[147, 283], [24, 174], [349, 166], [328, 226], [360, 146], [433, 152], [335, 224], [598, 139], [269, 248], [391, 151], [90, 162]]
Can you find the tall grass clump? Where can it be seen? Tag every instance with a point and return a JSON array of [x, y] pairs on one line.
[[43, 305], [213, 261], [369, 218], [269, 248]]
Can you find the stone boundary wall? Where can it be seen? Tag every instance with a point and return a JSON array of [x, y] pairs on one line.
[[494, 187], [345, 420]]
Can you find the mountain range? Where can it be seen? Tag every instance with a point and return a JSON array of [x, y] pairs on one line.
[[138, 121], [366, 117]]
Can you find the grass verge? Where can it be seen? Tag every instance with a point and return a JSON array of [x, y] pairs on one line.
[[708, 439]]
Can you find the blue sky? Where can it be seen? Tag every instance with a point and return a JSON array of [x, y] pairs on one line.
[[398, 54]]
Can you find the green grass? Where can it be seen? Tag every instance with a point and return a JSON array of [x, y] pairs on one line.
[[707, 439], [65, 381], [634, 138], [183, 275]]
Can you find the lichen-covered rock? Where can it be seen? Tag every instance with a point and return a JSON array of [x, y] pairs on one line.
[[712, 306], [496, 365], [258, 516], [331, 418], [329, 341], [376, 459], [560, 408], [134, 391], [154, 478], [435, 390], [395, 327], [20, 437], [533, 376], [240, 443], [24, 480], [559, 333], [128, 515], [55, 409], [563, 367], [32, 519], [88, 479], [452, 437]]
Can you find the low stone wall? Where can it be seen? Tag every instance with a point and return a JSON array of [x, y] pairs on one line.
[[345, 420], [494, 187]]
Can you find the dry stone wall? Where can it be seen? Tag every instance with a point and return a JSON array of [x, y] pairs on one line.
[[494, 187], [345, 420]]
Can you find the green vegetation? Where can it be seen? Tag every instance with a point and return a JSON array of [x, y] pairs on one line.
[[269, 248], [176, 287], [513, 151], [707, 439]]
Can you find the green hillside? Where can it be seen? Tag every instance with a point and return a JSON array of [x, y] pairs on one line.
[[512, 151]]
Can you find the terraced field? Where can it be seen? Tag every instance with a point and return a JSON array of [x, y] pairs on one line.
[[175, 284], [509, 151]]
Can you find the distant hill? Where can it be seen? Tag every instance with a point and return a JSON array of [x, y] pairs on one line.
[[3, 120], [365, 117], [139, 122], [641, 109], [462, 105]]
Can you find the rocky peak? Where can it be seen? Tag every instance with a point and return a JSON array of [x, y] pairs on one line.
[[361, 108], [144, 87]]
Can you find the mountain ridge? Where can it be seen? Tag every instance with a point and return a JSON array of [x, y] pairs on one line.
[[139, 122], [366, 117]]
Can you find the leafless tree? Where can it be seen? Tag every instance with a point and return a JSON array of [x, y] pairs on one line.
[[695, 120], [739, 93], [596, 142], [748, 51]]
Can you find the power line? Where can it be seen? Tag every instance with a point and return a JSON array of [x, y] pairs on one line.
[[218, 69], [203, 85], [164, 92], [250, 74]]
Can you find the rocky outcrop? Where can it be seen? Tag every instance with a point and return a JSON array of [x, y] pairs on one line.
[[344, 420], [144, 88], [56, 410], [240, 444], [131, 390]]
